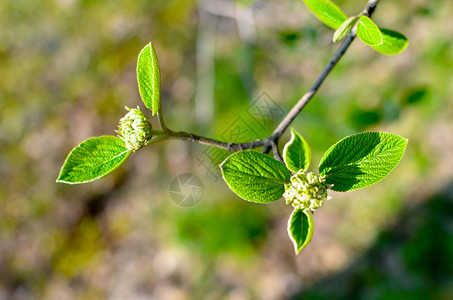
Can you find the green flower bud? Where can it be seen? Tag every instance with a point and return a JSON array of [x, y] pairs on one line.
[[306, 191], [135, 129]]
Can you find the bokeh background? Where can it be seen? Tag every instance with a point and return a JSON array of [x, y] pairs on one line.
[[67, 69]]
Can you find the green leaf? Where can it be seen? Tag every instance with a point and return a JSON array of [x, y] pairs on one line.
[[368, 32], [148, 77], [93, 159], [393, 42], [297, 153], [361, 160], [344, 29], [327, 12], [254, 176], [300, 229]]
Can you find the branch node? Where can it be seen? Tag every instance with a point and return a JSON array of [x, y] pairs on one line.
[[271, 142]]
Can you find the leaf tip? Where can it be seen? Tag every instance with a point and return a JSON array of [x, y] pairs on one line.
[[63, 180]]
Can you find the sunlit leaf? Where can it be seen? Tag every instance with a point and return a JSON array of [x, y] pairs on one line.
[[327, 12], [297, 153], [344, 29], [93, 159], [300, 229], [254, 176], [148, 77], [361, 160], [368, 32], [393, 42]]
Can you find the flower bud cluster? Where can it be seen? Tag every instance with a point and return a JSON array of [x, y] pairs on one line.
[[135, 129], [306, 191]]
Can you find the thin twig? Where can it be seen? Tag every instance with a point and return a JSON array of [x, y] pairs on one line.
[[294, 112], [370, 7], [276, 152], [271, 142], [212, 142], [160, 118]]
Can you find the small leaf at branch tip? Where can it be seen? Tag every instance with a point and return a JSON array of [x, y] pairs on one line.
[[148, 78], [393, 42], [327, 12], [368, 32], [297, 153], [344, 29]]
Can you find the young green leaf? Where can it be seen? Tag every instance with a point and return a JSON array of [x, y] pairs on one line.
[[254, 176], [300, 229], [297, 153], [361, 160], [327, 12], [148, 78], [344, 29], [93, 159], [368, 32], [393, 42]]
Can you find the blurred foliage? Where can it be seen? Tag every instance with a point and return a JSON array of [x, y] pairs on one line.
[[67, 69], [211, 232]]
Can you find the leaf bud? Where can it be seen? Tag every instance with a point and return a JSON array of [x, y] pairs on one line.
[[306, 191], [135, 129]]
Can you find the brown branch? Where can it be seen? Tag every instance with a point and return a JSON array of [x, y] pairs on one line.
[[271, 142]]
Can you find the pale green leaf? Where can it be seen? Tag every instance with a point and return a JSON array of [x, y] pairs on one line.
[[361, 160], [297, 153], [300, 229], [254, 176], [393, 42], [93, 159], [327, 12], [344, 29], [148, 78], [368, 32]]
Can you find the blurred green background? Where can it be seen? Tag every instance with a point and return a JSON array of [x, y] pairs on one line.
[[67, 69]]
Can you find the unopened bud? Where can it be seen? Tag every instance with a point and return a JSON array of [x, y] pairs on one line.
[[306, 191], [135, 129]]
